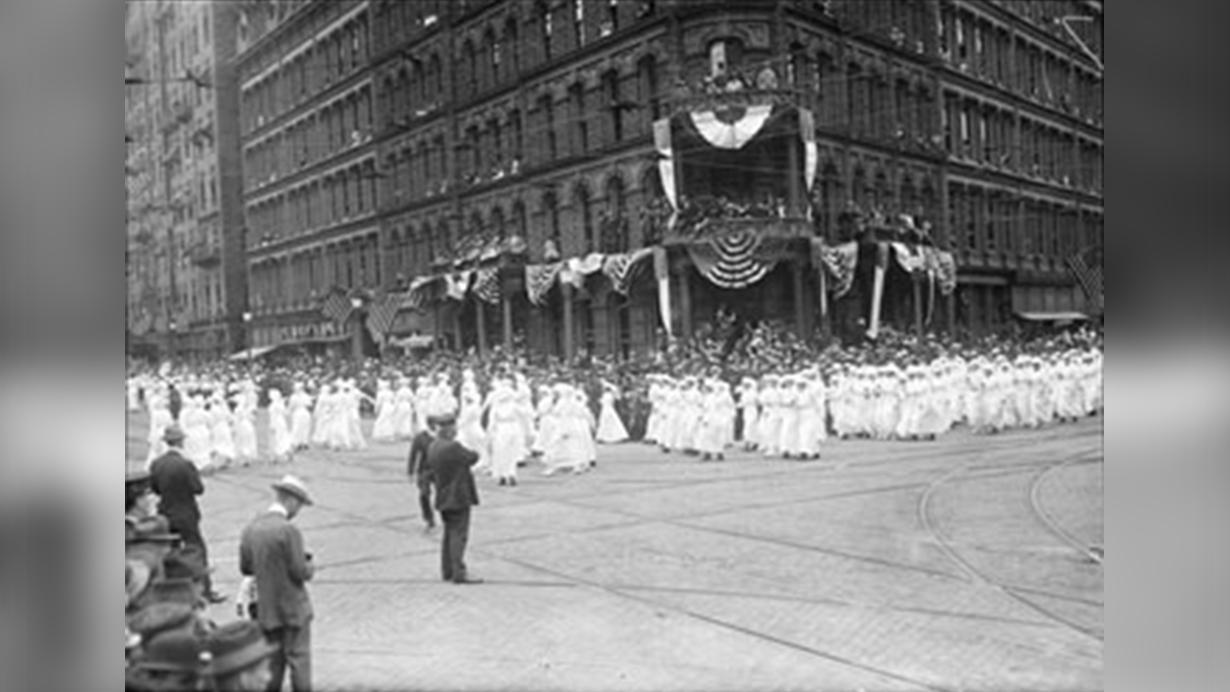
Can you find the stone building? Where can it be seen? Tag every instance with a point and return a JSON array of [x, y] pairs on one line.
[[391, 146]]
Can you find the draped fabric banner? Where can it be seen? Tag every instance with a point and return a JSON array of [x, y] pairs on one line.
[[910, 258], [877, 293], [838, 262], [731, 135], [576, 269], [457, 283], [620, 268], [666, 161], [661, 270], [381, 312], [731, 261], [487, 284], [807, 129], [539, 278], [947, 272]]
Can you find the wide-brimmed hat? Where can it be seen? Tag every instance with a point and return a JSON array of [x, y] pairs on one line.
[[154, 529], [173, 433], [236, 646], [177, 651], [293, 486], [161, 617]]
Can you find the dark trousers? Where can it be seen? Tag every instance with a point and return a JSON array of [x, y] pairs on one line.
[[453, 546], [425, 502], [190, 533], [295, 651]]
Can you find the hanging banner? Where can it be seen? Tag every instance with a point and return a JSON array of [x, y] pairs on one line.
[[539, 278], [620, 268], [877, 293], [575, 270], [731, 261], [838, 262], [457, 283], [733, 135], [909, 257], [487, 284], [807, 130], [666, 161], [661, 270]]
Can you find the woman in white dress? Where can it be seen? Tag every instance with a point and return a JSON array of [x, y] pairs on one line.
[[222, 437], [791, 406], [544, 420], [572, 445], [813, 416], [470, 423], [245, 424], [403, 410], [505, 432], [195, 424], [322, 415], [748, 407], [300, 418], [611, 428], [711, 429], [525, 413], [280, 442], [352, 418], [770, 415], [159, 420], [384, 429], [424, 394]]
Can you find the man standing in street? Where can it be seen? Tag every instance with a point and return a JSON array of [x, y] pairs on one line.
[[449, 464], [177, 482], [271, 552], [419, 471]]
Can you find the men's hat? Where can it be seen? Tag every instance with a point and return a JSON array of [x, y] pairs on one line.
[[160, 618], [173, 434], [294, 486], [154, 529], [136, 478], [174, 591], [177, 651], [236, 646], [448, 418]]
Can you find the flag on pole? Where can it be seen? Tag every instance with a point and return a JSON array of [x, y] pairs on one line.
[[381, 313], [620, 268], [336, 306], [1086, 265]]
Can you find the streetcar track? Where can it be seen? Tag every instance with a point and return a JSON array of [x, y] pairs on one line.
[[1035, 503], [976, 576]]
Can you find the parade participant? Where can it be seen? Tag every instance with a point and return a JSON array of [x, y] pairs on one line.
[[748, 408], [352, 421], [420, 473], [240, 658], [245, 423], [423, 395], [403, 410], [469, 422], [506, 433], [611, 429], [271, 552], [133, 390], [221, 437], [571, 446], [544, 420], [710, 435], [813, 414], [450, 466], [195, 427], [300, 418], [280, 442], [769, 425], [159, 420], [322, 416], [384, 429], [177, 482], [525, 414]]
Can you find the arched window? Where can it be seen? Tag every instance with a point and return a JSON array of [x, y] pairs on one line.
[[648, 79], [494, 54], [614, 105], [542, 18], [550, 207], [616, 232], [469, 75], [585, 212], [511, 49], [519, 219]]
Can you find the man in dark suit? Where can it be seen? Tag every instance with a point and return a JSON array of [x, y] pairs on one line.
[[418, 470], [177, 482], [449, 464], [271, 552]]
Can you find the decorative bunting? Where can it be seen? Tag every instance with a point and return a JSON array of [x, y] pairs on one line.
[[946, 272], [909, 257], [576, 269], [666, 163], [807, 131], [840, 262], [487, 284], [734, 135], [539, 278], [620, 268], [336, 306], [457, 283], [381, 313]]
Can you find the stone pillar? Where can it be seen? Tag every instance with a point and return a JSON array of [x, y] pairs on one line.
[[356, 335], [480, 318], [506, 304], [918, 309], [800, 300], [566, 290], [685, 301]]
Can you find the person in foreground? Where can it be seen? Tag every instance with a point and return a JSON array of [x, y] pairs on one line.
[[450, 466], [271, 552]]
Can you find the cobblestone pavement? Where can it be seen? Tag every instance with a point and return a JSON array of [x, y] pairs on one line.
[[882, 566]]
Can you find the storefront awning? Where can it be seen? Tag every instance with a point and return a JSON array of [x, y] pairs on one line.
[[1053, 316], [253, 353]]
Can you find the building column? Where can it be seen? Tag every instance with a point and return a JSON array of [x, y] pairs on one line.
[[566, 291], [685, 301], [918, 310], [794, 173], [800, 313], [506, 304], [480, 318], [356, 335]]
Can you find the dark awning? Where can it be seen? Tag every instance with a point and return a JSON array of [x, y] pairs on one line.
[[1053, 316]]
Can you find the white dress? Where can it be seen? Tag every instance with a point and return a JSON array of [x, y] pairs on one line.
[[506, 434], [572, 445], [470, 425], [280, 444], [611, 428], [300, 420], [384, 428], [222, 438], [195, 425], [159, 420], [245, 428], [403, 413]]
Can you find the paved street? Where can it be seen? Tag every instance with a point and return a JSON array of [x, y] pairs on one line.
[[883, 566]]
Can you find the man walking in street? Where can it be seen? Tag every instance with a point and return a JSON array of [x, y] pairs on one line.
[[177, 482], [420, 473], [271, 552], [449, 464]]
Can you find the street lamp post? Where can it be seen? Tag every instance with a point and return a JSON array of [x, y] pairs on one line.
[[357, 336], [247, 330]]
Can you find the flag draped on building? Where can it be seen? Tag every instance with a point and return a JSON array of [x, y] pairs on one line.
[[909, 257], [457, 283], [731, 261], [1086, 265], [661, 270], [336, 306], [946, 272], [382, 312], [539, 278], [620, 268], [487, 284], [574, 270]]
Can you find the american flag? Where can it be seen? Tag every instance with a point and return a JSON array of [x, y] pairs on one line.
[[619, 268], [1087, 266], [382, 312], [539, 279], [336, 306], [487, 284]]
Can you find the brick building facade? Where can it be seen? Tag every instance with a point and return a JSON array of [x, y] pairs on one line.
[[382, 141]]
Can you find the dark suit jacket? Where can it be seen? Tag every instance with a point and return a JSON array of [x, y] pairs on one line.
[[449, 463], [271, 550], [177, 483], [417, 464]]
